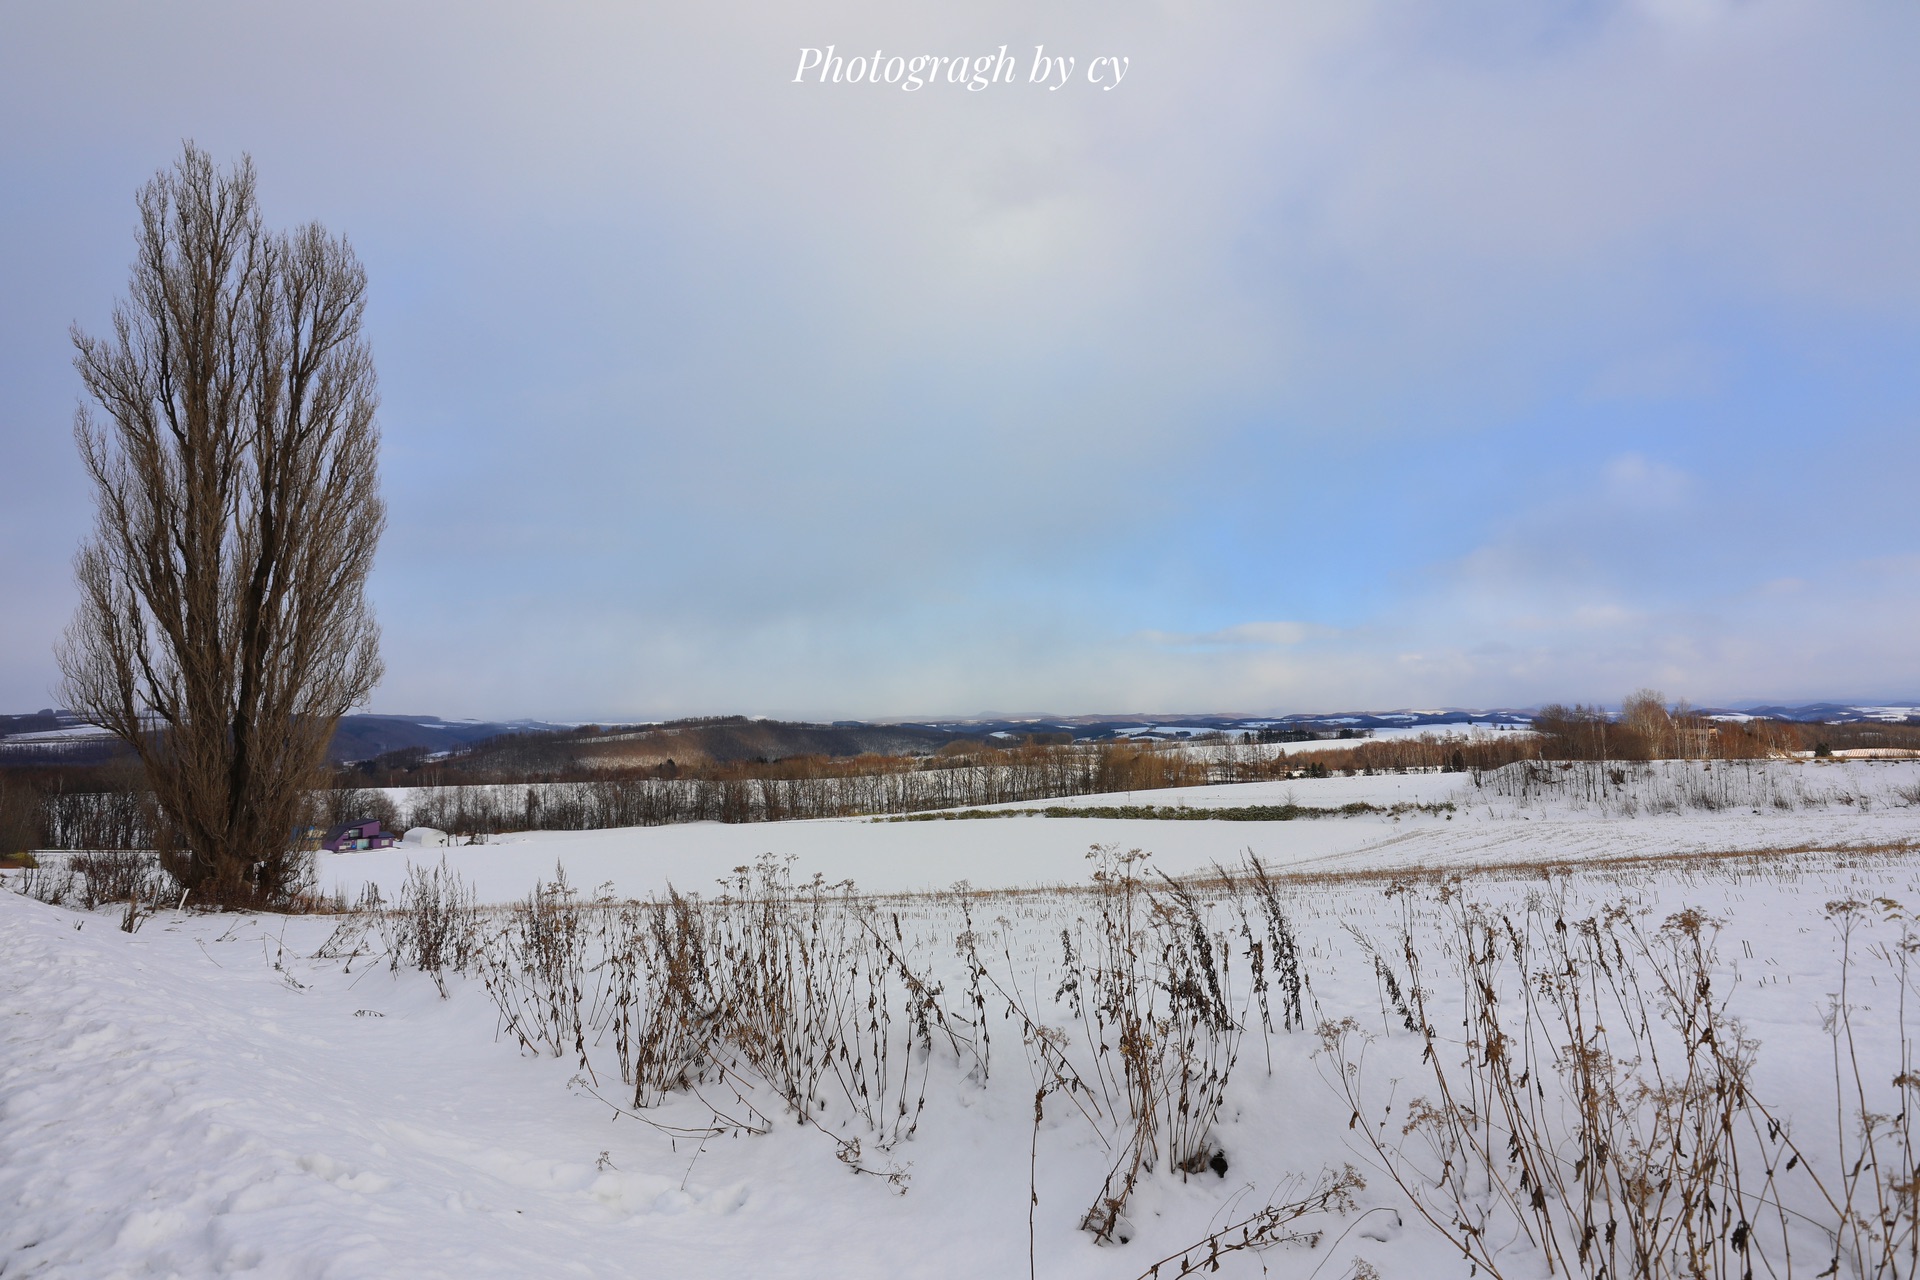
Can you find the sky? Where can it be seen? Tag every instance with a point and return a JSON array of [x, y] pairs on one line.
[[1348, 354]]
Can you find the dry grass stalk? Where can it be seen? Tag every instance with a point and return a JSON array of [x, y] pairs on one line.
[[1601, 1107], [1272, 1224]]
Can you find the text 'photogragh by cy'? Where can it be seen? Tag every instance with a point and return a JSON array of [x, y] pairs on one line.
[[1054, 71]]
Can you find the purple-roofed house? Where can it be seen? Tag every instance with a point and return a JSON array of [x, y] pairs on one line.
[[361, 833]]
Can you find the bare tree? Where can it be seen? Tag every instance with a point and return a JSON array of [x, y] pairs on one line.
[[1645, 712], [223, 627]]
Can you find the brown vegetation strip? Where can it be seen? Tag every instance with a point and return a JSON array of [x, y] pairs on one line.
[[1748, 860], [1541, 868], [1183, 813]]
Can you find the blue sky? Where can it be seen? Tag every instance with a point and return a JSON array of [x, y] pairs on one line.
[[1348, 354]]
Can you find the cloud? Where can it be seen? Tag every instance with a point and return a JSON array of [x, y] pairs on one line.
[[1244, 635], [1470, 338], [1633, 480]]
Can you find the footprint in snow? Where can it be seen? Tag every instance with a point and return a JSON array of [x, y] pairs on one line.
[[346, 1179]]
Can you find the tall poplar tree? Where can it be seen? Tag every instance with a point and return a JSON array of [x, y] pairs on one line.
[[223, 627]]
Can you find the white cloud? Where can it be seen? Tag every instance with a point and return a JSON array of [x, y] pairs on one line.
[[1244, 635]]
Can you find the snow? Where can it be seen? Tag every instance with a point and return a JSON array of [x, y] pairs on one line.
[[204, 1097], [1387, 733], [69, 733], [1024, 852], [176, 1105]]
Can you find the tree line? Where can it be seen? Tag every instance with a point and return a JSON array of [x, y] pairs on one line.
[[107, 807]]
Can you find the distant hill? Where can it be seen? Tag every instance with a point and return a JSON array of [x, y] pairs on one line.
[[730, 739], [1903, 711], [1097, 728], [362, 737], [52, 737], [711, 740], [739, 738]]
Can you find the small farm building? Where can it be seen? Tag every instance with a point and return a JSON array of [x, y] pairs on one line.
[[361, 833]]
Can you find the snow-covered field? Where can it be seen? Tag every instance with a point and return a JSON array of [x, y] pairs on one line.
[[205, 1096], [890, 857]]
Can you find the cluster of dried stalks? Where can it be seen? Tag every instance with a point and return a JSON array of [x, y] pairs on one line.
[[805, 1000], [778, 997], [89, 880], [1600, 1112], [1147, 988], [139, 880]]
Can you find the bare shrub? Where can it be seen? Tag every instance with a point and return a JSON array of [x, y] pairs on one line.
[[435, 923], [1150, 983], [1273, 952], [53, 882], [1874, 1198], [1599, 1112], [91, 880], [21, 827], [119, 876], [433, 926], [360, 925], [534, 968], [799, 987]]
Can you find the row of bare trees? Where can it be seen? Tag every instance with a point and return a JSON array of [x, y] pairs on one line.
[[808, 787], [111, 810], [1646, 728]]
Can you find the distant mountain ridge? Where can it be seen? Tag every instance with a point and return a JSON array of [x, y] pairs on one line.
[[361, 737], [1903, 711], [57, 737]]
